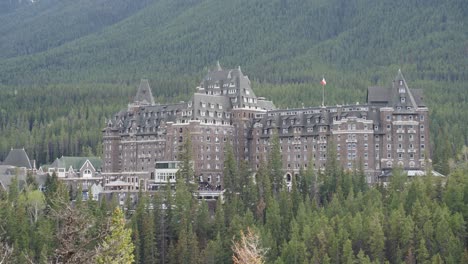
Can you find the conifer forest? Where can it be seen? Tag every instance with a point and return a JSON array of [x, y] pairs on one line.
[[67, 66]]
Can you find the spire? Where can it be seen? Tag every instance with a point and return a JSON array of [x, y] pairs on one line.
[[402, 94], [144, 95], [399, 76], [218, 66], [239, 69]]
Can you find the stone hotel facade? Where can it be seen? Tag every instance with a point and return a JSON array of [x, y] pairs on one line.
[[391, 129]]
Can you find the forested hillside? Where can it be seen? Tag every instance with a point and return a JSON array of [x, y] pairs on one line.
[[69, 48]]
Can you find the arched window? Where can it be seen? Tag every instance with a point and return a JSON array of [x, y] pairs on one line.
[[87, 173], [288, 177]]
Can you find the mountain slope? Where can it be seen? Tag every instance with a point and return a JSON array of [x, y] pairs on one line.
[[276, 40], [34, 27]]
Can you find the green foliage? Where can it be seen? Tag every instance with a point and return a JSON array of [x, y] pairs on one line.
[[117, 247], [57, 91]]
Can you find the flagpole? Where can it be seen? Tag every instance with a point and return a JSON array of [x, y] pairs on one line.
[[323, 95], [323, 92]]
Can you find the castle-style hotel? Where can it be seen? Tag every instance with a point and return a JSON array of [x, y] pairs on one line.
[[390, 130]]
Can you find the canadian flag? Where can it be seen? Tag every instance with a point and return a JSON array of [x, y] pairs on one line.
[[323, 82]]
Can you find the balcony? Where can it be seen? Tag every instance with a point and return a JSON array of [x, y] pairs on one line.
[[400, 151], [401, 131], [412, 131]]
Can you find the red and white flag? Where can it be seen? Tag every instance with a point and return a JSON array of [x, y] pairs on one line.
[[323, 82]]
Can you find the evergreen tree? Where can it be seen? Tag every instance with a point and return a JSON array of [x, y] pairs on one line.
[[117, 246], [231, 177], [214, 252], [348, 255], [185, 172], [275, 165]]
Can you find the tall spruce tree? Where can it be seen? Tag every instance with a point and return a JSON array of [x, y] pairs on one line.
[[117, 247], [275, 165]]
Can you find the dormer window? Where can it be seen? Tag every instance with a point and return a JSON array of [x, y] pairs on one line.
[[403, 99], [401, 90], [401, 82]]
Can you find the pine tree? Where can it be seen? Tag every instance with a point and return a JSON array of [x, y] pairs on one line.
[[376, 237], [275, 165], [117, 246], [185, 172], [422, 255], [214, 252], [231, 176], [348, 255]]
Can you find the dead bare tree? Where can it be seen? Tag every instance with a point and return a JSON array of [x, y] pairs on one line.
[[5, 253], [76, 243], [248, 249]]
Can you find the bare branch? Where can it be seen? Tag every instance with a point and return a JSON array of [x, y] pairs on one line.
[[248, 249]]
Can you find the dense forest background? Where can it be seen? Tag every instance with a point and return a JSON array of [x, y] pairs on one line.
[[65, 66]]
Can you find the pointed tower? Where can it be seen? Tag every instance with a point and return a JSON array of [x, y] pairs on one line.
[[218, 66], [401, 94], [144, 96]]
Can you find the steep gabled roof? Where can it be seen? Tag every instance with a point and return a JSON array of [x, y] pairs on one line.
[[144, 95], [391, 96], [377, 95], [7, 172], [418, 95], [18, 158], [76, 162]]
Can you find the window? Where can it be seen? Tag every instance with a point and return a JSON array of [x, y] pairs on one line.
[[87, 173], [403, 99]]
